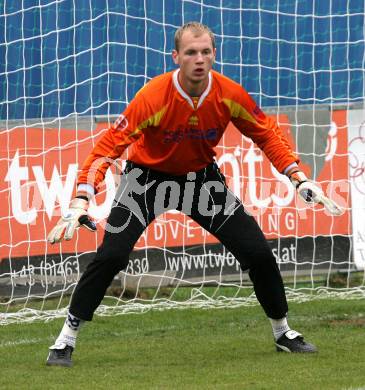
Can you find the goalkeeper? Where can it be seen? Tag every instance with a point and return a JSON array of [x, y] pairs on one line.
[[172, 126]]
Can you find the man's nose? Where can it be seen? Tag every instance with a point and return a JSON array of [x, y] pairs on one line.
[[199, 58]]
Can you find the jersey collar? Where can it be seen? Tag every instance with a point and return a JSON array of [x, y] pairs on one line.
[[185, 95]]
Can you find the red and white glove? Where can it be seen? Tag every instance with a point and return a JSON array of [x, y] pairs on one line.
[[311, 193], [75, 217]]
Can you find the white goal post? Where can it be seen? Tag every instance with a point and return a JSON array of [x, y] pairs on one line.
[[67, 72]]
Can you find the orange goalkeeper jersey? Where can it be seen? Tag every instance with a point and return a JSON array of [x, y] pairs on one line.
[[169, 132]]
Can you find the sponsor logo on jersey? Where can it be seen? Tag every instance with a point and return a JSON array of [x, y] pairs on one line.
[[189, 134]]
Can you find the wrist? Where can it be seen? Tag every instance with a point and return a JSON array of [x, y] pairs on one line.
[[293, 167], [85, 190], [297, 177], [80, 194], [79, 203]]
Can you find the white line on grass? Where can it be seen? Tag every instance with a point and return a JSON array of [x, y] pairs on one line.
[[20, 342]]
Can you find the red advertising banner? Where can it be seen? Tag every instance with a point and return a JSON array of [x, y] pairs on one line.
[[38, 170]]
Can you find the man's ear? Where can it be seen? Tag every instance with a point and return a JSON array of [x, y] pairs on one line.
[[214, 54], [175, 57]]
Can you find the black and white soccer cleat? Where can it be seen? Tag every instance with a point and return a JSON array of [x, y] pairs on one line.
[[60, 355], [292, 341]]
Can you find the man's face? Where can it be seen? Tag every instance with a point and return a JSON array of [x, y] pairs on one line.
[[195, 57]]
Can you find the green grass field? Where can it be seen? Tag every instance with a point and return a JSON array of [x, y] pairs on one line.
[[193, 349]]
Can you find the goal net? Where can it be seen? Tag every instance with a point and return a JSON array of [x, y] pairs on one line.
[[69, 68]]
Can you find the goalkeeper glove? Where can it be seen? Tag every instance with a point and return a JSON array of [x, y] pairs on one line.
[[311, 193], [75, 217]]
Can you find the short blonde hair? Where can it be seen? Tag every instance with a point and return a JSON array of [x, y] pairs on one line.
[[196, 28]]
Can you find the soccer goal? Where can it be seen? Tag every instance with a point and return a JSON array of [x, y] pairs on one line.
[[69, 69]]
